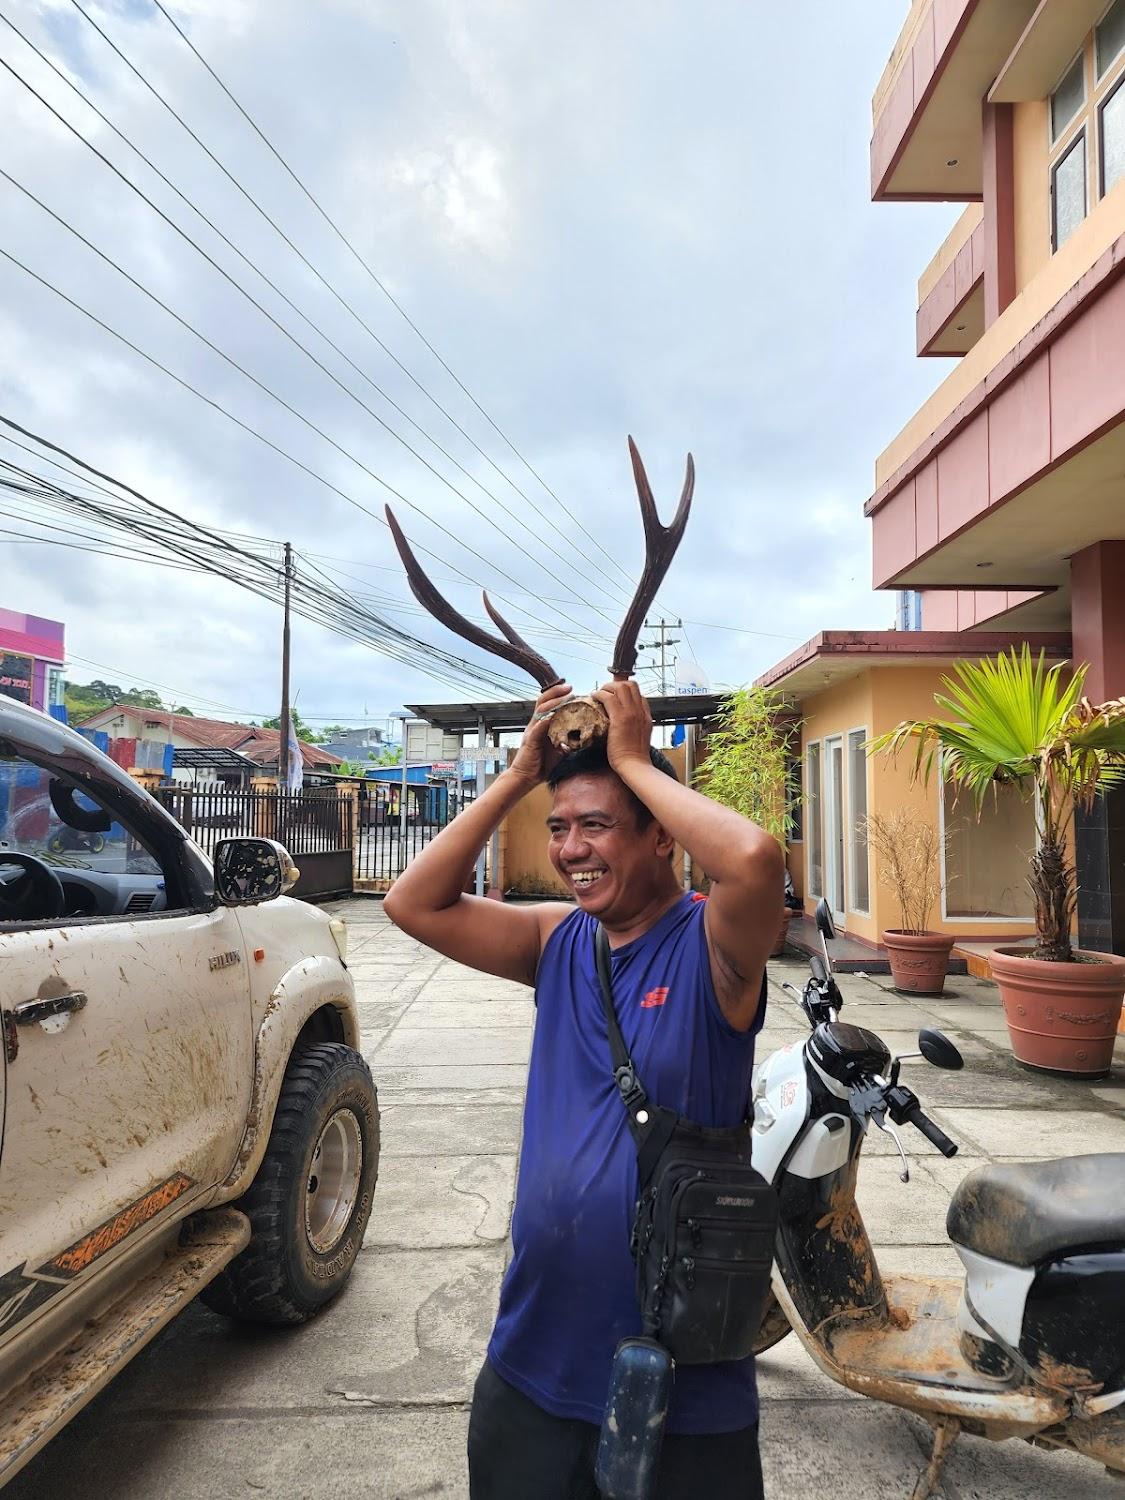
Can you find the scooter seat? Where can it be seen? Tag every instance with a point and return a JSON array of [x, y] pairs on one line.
[[1034, 1211]]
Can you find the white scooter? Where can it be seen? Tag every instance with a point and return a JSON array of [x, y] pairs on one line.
[[1031, 1344]]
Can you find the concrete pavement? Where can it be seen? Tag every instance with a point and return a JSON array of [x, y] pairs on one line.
[[371, 1398]]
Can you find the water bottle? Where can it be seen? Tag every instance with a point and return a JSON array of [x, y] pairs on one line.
[[633, 1427]]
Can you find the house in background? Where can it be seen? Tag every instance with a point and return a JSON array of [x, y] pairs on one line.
[[357, 744], [999, 510], [254, 748], [846, 687], [32, 656]]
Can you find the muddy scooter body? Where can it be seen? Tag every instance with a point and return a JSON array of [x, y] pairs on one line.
[[1031, 1343]]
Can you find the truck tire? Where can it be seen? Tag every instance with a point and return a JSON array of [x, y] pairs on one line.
[[309, 1204]]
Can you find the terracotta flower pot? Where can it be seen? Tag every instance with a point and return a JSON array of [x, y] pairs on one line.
[[1062, 1018], [783, 932], [918, 960]]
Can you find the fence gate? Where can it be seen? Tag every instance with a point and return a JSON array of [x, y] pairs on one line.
[[381, 851], [314, 825]]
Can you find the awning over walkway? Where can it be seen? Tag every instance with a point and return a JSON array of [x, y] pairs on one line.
[[465, 718]]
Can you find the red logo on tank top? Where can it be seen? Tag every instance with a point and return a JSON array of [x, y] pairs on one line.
[[654, 997]]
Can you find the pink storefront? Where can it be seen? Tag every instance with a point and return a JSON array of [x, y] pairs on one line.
[[31, 659]]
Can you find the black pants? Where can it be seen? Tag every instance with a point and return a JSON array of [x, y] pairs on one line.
[[517, 1451]]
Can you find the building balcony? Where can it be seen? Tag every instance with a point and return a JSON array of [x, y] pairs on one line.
[[926, 113], [1015, 463], [950, 316]]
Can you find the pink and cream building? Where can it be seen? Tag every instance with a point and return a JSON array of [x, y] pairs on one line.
[[1002, 501], [999, 509]]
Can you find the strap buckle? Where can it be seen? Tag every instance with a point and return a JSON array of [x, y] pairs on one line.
[[629, 1086]]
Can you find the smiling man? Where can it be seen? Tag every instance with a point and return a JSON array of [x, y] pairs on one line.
[[689, 985]]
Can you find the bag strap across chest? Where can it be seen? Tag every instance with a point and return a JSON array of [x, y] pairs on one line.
[[651, 1125]]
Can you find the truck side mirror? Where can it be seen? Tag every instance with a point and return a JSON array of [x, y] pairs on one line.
[[249, 870]]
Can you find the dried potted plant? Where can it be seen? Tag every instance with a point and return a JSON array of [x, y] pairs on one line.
[[907, 848], [1017, 723], [745, 766]]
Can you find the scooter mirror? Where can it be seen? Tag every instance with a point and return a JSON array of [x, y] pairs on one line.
[[824, 919], [936, 1048]]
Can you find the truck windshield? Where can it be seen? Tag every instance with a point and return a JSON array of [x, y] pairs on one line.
[[41, 815]]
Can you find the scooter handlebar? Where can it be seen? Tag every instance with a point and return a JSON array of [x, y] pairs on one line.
[[933, 1133]]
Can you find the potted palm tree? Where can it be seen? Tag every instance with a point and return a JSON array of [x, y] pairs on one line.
[[1017, 723], [907, 848], [747, 758]]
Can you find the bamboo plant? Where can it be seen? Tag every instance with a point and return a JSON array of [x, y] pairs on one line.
[[748, 758], [1015, 722]]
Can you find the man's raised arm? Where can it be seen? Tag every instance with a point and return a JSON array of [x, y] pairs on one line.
[[428, 899], [745, 865]]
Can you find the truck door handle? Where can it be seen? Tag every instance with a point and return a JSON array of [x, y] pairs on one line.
[[42, 1010]]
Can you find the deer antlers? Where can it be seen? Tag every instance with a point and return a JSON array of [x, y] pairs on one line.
[[580, 719], [515, 649]]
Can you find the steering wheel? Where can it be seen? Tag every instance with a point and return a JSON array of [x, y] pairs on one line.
[[34, 895]]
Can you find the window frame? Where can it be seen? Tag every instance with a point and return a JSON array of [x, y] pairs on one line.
[[1078, 141], [1054, 141], [1101, 77], [1087, 121], [189, 887], [1110, 94], [958, 918], [850, 842], [814, 822]]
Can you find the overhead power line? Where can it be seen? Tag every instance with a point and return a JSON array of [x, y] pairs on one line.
[[245, 426], [587, 580], [261, 575], [267, 390], [334, 292], [365, 265]]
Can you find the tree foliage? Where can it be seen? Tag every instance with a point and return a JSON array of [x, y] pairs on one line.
[[300, 728], [85, 698]]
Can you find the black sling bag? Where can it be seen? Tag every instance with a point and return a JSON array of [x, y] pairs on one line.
[[705, 1221]]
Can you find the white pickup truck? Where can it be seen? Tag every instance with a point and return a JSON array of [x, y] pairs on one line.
[[183, 1105]]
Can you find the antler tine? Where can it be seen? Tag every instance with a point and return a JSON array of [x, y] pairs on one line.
[[513, 649], [660, 548], [544, 674]]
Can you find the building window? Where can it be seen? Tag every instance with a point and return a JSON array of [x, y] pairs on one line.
[[814, 841], [985, 874], [1068, 192], [794, 800], [1110, 37], [1087, 126], [1112, 136], [1069, 97], [859, 882], [56, 687]]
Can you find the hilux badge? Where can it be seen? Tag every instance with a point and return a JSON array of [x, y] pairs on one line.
[[224, 960]]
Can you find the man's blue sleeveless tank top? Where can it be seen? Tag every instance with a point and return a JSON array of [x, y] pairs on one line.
[[569, 1294]]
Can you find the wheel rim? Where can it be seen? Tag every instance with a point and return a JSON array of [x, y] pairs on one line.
[[333, 1182]]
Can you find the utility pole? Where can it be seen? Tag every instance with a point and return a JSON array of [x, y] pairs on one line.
[[663, 626], [661, 645], [283, 748]]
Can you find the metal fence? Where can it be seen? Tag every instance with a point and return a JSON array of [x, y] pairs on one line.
[[316, 821], [381, 850]]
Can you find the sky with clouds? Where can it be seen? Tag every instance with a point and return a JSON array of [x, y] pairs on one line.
[[636, 218]]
